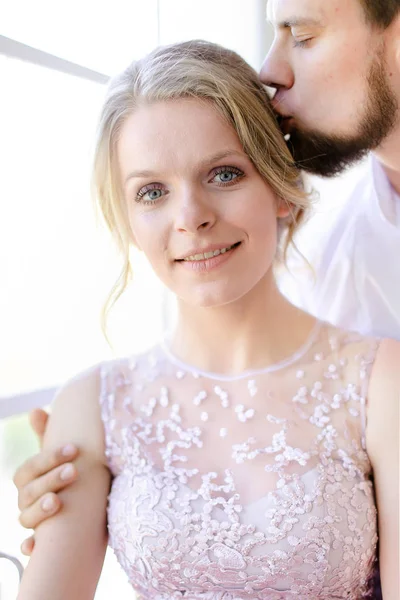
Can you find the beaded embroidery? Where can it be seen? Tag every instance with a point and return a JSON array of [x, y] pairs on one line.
[[252, 487]]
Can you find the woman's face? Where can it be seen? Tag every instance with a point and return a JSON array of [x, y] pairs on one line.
[[199, 210]]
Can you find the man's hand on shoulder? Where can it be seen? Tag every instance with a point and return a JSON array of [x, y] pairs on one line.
[[40, 478]]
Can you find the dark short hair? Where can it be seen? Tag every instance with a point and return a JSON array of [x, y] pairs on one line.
[[381, 12]]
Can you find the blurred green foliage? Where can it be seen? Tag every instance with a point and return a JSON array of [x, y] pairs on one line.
[[17, 442]]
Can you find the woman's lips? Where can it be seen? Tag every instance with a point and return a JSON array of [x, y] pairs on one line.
[[208, 264]]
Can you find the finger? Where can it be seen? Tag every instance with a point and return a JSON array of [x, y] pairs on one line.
[[28, 545], [41, 510], [42, 463], [38, 419], [51, 482]]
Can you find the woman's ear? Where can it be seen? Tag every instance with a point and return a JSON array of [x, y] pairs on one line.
[[282, 209]]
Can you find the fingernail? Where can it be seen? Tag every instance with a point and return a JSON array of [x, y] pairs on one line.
[[26, 548], [68, 450], [67, 472], [48, 504]]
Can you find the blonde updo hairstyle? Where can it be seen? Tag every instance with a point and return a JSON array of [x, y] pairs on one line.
[[209, 72]]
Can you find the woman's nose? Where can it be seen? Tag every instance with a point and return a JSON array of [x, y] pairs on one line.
[[194, 212]]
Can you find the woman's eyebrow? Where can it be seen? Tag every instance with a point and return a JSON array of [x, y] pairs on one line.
[[144, 173], [220, 156]]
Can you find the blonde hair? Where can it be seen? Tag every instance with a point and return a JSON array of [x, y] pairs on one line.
[[206, 71]]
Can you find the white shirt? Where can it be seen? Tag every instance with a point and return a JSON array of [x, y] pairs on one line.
[[356, 261]]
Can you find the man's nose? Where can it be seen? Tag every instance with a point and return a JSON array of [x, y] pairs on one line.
[[276, 71]]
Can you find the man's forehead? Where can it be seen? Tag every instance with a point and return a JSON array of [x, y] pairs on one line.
[[282, 13]]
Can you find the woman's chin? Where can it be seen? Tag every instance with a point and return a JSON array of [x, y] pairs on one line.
[[215, 299]]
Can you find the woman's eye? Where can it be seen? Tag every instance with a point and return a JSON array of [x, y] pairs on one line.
[[227, 175], [154, 195], [150, 194]]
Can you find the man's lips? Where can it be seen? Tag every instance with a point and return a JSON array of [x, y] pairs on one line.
[[285, 123]]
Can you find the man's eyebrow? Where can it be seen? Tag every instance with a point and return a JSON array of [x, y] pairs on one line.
[[298, 22]]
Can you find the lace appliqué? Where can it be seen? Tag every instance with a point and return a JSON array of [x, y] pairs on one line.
[[257, 488]]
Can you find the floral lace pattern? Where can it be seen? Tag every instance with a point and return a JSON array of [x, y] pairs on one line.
[[250, 487]]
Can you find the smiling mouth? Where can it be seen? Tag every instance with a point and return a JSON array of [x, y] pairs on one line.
[[208, 255]]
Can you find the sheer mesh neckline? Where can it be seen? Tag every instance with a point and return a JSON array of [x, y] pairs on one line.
[[289, 360], [252, 489]]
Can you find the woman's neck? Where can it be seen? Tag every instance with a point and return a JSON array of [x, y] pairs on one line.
[[258, 330]]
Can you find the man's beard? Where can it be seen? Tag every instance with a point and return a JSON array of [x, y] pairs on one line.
[[329, 155]]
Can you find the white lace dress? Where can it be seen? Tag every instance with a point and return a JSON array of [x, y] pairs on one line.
[[248, 487]]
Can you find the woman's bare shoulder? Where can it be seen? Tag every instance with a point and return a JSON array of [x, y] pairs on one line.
[[75, 415], [385, 373], [384, 399]]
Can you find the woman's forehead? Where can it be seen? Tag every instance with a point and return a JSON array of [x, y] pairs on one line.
[[175, 133]]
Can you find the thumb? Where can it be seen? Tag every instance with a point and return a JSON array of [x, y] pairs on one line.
[[38, 419]]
